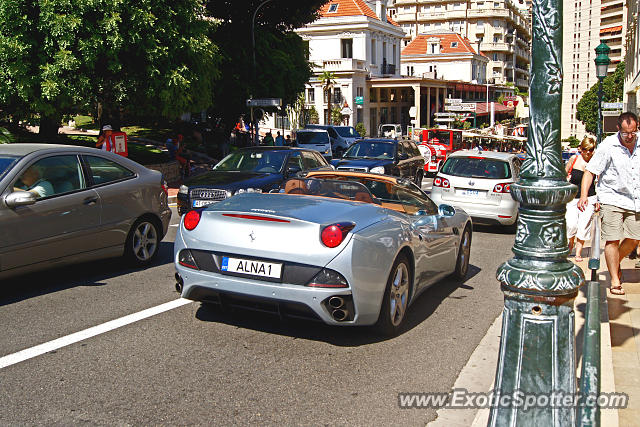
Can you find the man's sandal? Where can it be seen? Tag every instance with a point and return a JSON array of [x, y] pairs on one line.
[[617, 290]]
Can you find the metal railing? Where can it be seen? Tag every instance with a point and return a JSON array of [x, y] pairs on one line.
[[589, 411]]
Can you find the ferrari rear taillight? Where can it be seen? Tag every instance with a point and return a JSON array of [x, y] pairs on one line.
[[332, 235], [502, 188], [328, 279], [185, 259], [441, 182], [191, 220]]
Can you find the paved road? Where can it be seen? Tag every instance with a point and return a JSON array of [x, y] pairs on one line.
[[195, 365]]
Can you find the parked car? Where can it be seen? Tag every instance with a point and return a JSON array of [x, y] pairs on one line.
[[252, 169], [389, 130], [479, 182], [63, 204], [341, 136], [315, 139], [341, 247], [399, 158]]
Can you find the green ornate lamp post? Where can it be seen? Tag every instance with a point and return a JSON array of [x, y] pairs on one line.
[[537, 346], [602, 64]]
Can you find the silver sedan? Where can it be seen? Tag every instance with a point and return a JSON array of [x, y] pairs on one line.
[[62, 204], [344, 248]]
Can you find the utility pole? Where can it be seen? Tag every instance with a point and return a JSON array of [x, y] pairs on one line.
[[537, 344]]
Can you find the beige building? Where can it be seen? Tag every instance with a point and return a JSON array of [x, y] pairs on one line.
[[632, 59], [500, 28], [585, 25]]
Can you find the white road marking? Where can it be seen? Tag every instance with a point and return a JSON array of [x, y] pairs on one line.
[[174, 225], [38, 350]]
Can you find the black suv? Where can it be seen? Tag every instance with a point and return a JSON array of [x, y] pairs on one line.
[[397, 157], [253, 169]]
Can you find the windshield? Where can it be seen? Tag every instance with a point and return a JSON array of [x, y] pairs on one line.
[[253, 161], [337, 189], [312, 137], [371, 150], [443, 136], [6, 163], [472, 167], [347, 131]]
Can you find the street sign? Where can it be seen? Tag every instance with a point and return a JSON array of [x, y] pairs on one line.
[[611, 113], [264, 102], [359, 100], [465, 106], [445, 115], [612, 105], [453, 101]]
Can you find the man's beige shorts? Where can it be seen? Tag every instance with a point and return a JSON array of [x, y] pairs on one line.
[[618, 223]]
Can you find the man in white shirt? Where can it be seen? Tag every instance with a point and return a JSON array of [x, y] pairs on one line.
[[617, 163]]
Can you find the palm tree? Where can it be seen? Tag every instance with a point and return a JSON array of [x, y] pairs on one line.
[[328, 79]]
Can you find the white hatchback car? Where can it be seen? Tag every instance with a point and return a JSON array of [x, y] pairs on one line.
[[479, 182]]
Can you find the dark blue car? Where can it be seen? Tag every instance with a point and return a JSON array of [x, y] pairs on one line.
[[253, 169], [397, 157]]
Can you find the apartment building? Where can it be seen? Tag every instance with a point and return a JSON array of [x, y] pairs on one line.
[[501, 30], [446, 56], [585, 24], [632, 58]]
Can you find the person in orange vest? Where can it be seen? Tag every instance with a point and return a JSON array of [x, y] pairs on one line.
[[105, 139]]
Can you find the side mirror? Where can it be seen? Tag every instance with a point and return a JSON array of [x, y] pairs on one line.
[[20, 198], [446, 210]]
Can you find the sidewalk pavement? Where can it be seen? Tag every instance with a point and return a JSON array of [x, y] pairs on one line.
[[620, 351]]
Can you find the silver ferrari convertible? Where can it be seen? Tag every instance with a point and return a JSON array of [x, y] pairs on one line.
[[346, 248]]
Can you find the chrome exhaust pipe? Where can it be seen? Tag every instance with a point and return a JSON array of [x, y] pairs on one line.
[[340, 314], [179, 283], [336, 302]]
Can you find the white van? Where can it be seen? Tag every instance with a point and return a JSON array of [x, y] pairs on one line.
[[341, 136], [315, 139]]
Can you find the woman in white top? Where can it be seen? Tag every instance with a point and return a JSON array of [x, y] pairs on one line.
[[579, 222]]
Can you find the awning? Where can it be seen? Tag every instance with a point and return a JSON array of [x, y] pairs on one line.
[[611, 29]]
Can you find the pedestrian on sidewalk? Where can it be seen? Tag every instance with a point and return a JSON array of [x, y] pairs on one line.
[[287, 141], [279, 139], [105, 139], [579, 222], [617, 163], [268, 139]]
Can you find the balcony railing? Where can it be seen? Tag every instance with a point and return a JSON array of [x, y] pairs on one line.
[[388, 69], [491, 47], [343, 64]]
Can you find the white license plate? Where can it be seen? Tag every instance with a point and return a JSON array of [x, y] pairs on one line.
[[251, 267], [469, 192], [201, 203]]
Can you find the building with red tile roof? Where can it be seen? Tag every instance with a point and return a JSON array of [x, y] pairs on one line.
[[502, 28], [445, 55]]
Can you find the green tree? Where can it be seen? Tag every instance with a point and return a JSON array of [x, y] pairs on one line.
[[328, 79], [361, 129], [141, 57], [281, 68], [612, 91]]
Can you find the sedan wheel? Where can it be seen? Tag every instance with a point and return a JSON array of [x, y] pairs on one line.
[[396, 298], [462, 263], [142, 242]]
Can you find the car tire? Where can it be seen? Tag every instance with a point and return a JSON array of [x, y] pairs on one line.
[[142, 242], [464, 251], [396, 298]]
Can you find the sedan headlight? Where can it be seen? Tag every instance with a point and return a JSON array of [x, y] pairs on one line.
[[183, 189], [377, 169]]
